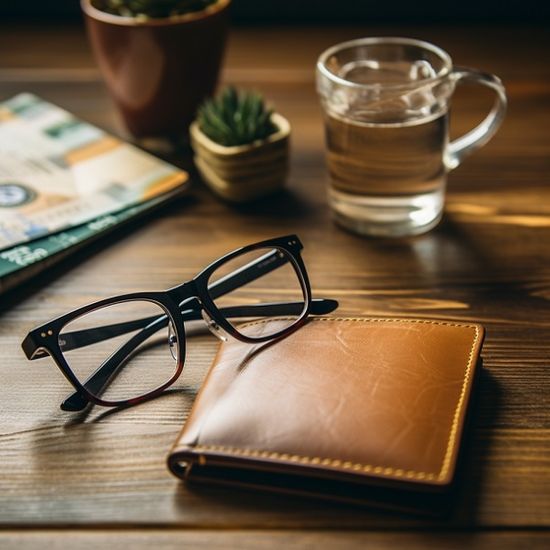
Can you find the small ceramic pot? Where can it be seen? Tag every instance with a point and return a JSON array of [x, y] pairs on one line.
[[243, 172], [159, 70]]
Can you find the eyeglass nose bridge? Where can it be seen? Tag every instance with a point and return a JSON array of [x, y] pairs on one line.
[[184, 292]]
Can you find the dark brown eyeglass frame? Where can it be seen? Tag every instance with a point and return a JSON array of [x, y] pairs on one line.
[[185, 302]]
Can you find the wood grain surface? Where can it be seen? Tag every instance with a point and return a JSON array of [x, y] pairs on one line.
[[94, 477]]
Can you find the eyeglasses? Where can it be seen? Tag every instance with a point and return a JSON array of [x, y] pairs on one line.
[[125, 349]]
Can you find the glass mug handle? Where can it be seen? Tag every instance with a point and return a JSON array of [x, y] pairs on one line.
[[483, 132]]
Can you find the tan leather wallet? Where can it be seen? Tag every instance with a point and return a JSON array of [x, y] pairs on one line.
[[365, 410]]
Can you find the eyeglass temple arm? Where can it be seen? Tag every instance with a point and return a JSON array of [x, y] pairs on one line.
[[101, 376], [87, 337], [319, 306]]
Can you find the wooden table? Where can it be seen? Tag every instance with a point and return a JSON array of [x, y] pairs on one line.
[[100, 478]]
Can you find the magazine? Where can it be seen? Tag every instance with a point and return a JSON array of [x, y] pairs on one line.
[[58, 172], [65, 183]]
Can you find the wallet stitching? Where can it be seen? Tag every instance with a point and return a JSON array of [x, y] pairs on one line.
[[349, 465], [372, 320]]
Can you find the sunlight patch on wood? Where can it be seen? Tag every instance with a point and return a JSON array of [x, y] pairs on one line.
[[490, 215]]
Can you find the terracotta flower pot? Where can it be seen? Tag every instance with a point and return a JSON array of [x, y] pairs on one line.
[[159, 70], [243, 172]]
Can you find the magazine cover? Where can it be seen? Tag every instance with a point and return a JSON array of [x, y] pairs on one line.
[[58, 172]]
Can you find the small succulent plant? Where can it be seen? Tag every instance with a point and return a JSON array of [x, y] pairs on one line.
[[236, 118], [151, 8]]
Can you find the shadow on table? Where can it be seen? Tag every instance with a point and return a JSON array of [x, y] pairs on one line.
[[448, 246], [285, 205], [89, 414], [472, 464], [456, 271]]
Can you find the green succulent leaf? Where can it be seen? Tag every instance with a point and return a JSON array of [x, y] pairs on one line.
[[236, 118]]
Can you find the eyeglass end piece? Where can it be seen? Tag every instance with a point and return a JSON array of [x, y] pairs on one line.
[[29, 346], [74, 403], [320, 306]]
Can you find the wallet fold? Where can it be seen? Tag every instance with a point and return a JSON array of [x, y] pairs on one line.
[[346, 408]]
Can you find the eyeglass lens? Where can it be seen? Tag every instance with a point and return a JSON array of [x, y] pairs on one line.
[[137, 339], [269, 276]]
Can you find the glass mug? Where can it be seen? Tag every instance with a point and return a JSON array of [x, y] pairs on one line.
[[386, 106]]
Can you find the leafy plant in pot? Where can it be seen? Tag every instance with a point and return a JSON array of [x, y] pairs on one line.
[[240, 146], [159, 58]]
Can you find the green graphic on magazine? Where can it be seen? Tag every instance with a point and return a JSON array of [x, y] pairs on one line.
[[21, 262]]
